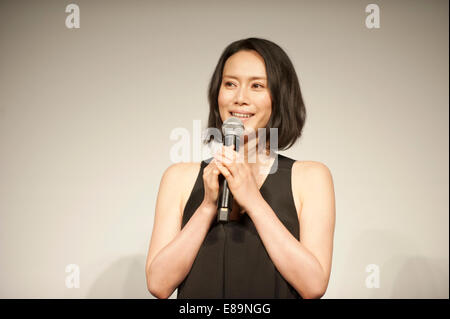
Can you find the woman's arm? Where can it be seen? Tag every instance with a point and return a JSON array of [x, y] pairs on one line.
[[305, 264], [172, 251]]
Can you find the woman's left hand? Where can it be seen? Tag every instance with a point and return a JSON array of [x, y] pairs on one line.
[[239, 176]]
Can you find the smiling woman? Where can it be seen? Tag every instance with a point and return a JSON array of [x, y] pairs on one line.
[[242, 94], [258, 73], [279, 241]]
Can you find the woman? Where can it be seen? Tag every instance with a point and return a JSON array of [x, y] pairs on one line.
[[279, 241]]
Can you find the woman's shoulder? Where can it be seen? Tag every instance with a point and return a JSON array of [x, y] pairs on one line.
[[304, 173], [302, 166], [182, 171], [182, 176], [182, 167]]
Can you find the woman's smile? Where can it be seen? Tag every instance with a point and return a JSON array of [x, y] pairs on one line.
[[244, 92]]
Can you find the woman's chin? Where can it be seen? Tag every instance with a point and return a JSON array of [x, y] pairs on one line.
[[249, 129]]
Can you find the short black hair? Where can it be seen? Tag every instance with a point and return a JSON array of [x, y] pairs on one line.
[[288, 109]]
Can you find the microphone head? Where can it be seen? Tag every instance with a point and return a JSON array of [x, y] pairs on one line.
[[233, 126]]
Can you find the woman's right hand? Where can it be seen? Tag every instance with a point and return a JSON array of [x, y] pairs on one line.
[[211, 184]]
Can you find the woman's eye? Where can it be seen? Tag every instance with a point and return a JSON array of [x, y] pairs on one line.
[[256, 85]]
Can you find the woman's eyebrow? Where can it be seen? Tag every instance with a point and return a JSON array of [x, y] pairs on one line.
[[250, 78]]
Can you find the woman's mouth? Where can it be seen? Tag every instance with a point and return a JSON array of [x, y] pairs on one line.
[[242, 116]]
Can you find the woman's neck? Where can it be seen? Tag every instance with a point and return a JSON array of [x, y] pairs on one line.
[[258, 159]]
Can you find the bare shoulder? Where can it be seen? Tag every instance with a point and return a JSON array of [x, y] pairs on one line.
[[307, 176], [182, 169], [307, 172], [305, 167], [181, 178]]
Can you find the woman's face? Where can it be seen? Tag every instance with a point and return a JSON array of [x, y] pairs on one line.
[[244, 90]]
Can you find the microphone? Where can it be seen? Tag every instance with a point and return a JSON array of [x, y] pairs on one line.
[[232, 129]]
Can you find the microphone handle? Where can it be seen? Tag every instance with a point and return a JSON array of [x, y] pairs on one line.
[[225, 203]]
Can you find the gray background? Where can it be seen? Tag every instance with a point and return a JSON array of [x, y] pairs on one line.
[[86, 115]]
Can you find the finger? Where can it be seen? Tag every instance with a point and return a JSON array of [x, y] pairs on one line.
[[230, 154], [214, 169], [218, 155], [230, 147], [211, 168], [227, 155], [211, 176], [229, 150], [214, 180], [239, 157], [231, 166], [225, 171], [221, 159], [210, 171], [224, 148]]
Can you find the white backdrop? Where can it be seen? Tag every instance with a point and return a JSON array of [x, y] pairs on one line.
[[86, 115]]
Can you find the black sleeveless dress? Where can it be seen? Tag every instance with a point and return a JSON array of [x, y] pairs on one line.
[[232, 261]]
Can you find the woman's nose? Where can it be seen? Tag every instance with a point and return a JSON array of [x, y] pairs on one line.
[[241, 96]]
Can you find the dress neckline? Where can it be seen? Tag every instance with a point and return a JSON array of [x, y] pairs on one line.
[[276, 159], [266, 179]]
